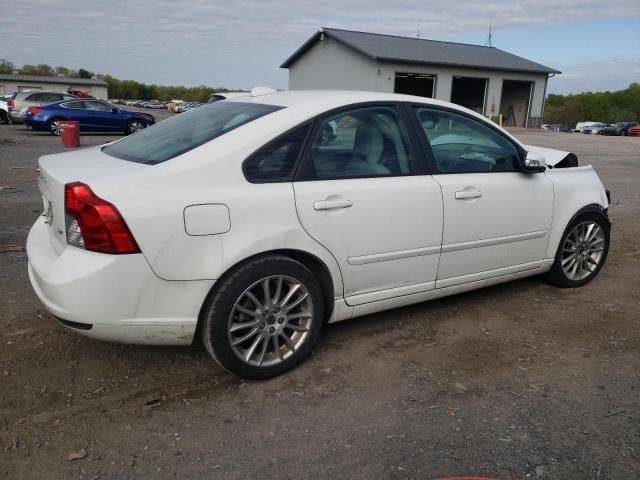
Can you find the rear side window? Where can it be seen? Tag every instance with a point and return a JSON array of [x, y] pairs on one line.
[[276, 161], [75, 105], [186, 131]]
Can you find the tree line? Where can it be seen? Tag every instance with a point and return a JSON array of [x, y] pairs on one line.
[[608, 107], [127, 89]]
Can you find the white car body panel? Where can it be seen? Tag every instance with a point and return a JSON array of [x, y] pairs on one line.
[[574, 188], [403, 240], [506, 225], [385, 242]]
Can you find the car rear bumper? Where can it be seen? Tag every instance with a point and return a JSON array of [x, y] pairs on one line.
[[34, 123], [115, 298], [16, 117]]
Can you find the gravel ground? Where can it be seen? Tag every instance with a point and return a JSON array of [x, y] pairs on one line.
[[521, 380]]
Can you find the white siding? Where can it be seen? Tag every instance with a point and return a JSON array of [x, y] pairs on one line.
[[330, 65], [9, 86], [444, 80]]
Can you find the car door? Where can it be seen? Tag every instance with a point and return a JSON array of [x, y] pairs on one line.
[[497, 219], [364, 195], [101, 115]]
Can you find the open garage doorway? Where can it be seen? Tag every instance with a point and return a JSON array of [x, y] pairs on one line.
[[420, 84], [469, 92], [515, 102]]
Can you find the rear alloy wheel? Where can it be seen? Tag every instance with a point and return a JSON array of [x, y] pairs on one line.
[[134, 125], [265, 318], [582, 251], [54, 127]]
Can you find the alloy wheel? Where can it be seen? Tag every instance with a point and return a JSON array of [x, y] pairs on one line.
[[135, 126], [55, 127], [270, 321], [582, 250]]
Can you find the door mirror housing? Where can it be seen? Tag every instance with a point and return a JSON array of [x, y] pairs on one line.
[[534, 162], [114, 110]]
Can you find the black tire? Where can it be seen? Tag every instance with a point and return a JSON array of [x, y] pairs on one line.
[[218, 311], [557, 275], [134, 125], [4, 118]]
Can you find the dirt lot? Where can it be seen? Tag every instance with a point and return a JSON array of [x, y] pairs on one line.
[[521, 380]]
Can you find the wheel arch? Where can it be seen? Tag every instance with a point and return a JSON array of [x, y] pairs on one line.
[[597, 208], [312, 262]]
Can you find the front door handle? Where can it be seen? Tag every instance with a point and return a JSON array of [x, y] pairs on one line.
[[331, 204], [464, 194]]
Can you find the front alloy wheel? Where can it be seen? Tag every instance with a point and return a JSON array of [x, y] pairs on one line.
[[264, 318], [582, 251]]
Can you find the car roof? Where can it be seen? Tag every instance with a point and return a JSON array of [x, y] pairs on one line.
[[315, 102], [326, 99]]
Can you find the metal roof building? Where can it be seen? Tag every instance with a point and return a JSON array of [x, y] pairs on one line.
[[19, 83], [485, 79]]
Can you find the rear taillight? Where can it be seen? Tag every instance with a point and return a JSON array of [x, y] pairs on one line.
[[12, 104], [34, 110], [94, 224]]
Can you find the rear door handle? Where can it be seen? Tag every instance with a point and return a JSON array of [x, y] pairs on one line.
[[331, 204], [464, 194]]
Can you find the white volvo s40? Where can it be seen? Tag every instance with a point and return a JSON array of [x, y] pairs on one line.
[[257, 219]]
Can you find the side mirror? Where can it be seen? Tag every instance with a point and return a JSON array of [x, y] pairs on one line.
[[534, 163], [114, 110]]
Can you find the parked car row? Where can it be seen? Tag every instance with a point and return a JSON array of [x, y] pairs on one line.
[[594, 128], [154, 104], [186, 106], [599, 128]]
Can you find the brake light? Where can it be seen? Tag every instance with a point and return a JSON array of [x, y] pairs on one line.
[[12, 104], [95, 224], [35, 110]]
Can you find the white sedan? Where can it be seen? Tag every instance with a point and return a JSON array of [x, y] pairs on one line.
[[242, 219]]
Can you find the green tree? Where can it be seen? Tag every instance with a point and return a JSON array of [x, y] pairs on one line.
[[6, 67], [42, 69], [82, 73]]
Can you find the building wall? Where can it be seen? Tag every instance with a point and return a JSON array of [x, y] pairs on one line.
[[331, 65], [8, 87], [444, 80]]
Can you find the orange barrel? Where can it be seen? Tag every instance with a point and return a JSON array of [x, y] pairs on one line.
[[70, 133]]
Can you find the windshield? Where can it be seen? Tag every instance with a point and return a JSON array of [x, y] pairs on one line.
[[186, 131]]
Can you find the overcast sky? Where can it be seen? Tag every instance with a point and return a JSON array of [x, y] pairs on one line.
[[595, 43]]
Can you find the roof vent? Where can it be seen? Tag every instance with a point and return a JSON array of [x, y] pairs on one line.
[[259, 91]]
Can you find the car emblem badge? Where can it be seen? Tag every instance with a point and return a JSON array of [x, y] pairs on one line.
[[48, 214]]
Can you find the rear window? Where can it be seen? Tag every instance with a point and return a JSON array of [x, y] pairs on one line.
[[186, 131]]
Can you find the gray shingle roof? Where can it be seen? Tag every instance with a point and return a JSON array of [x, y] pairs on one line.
[[42, 79], [392, 48]]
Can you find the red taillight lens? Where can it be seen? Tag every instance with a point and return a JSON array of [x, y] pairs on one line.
[[12, 104], [35, 110], [101, 227]]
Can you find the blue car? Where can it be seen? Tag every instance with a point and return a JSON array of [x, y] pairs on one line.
[[93, 115]]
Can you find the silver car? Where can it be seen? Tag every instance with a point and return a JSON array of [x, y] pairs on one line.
[[21, 101]]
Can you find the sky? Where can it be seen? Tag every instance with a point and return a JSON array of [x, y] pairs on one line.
[[595, 43]]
